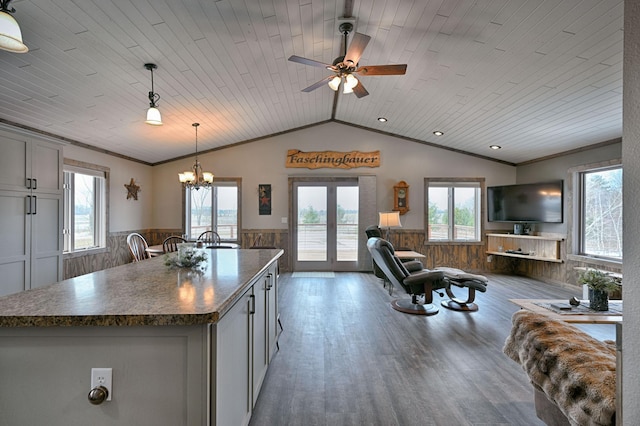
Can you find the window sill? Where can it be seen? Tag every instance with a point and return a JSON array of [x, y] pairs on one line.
[[88, 252], [594, 261], [454, 243]]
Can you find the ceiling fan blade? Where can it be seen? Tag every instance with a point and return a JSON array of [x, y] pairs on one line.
[[359, 90], [305, 61], [314, 86], [358, 43], [383, 69]]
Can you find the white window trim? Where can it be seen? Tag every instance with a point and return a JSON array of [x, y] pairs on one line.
[[459, 182], [573, 206], [218, 181], [75, 166]]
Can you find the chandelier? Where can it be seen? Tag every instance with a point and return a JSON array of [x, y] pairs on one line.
[[196, 178]]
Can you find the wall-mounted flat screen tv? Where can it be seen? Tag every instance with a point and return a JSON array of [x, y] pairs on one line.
[[527, 203]]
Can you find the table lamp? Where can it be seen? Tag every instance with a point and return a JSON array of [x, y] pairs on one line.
[[389, 220]]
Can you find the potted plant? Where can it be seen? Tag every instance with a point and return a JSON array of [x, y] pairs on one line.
[[600, 284]]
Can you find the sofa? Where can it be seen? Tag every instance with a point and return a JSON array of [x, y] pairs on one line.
[[573, 374]]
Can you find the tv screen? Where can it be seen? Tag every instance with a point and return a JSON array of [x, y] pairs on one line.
[[533, 202]]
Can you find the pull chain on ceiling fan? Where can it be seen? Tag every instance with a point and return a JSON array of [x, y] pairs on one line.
[[346, 66]]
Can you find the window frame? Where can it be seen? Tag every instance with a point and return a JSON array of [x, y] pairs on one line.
[[222, 182], [453, 182], [101, 201], [578, 214]]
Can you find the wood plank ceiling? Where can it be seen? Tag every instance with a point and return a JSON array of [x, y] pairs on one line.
[[535, 77]]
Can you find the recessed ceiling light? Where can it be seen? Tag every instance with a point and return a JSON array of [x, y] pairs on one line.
[[382, 119], [438, 133], [495, 146]]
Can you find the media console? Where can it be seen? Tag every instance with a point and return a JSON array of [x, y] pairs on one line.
[[534, 247]]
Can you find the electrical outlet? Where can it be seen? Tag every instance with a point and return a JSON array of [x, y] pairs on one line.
[[102, 377], [283, 219], [489, 258]]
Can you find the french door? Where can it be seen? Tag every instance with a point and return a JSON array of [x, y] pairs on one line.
[[325, 228]]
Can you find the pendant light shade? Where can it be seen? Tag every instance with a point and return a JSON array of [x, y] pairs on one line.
[[10, 34], [153, 113], [153, 117]]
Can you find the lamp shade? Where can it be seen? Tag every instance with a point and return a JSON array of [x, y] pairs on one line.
[[153, 117], [389, 220], [10, 34]]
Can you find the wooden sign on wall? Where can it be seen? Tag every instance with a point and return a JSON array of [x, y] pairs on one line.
[[332, 159]]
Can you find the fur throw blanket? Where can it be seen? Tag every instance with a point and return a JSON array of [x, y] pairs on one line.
[[574, 370]]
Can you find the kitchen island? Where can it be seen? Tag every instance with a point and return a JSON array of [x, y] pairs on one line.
[[184, 347]]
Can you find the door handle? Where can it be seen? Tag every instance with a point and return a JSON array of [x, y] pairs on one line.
[[35, 184], [35, 204], [28, 183], [252, 310], [28, 204]]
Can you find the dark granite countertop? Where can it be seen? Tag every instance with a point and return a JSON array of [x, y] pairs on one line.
[[142, 293]]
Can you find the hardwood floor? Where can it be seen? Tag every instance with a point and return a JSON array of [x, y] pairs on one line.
[[347, 358]]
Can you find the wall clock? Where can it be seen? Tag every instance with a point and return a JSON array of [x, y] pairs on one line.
[[401, 197]]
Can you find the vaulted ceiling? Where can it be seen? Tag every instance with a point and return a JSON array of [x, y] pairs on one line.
[[534, 77]]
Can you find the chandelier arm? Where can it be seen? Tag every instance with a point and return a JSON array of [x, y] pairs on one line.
[[4, 6]]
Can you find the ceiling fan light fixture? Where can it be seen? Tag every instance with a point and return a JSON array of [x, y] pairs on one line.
[[10, 34], [334, 83], [153, 113]]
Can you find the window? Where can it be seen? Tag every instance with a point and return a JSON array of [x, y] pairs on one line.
[[600, 213], [214, 209], [453, 209], [85, 207]]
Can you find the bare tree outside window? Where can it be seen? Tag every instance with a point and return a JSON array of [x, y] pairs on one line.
[[602, 213]]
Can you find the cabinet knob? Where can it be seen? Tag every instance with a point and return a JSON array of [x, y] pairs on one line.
[[98, 395]]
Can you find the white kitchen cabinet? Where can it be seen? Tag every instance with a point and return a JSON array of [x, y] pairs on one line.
[[232, 391], [31, 206], [243, 345]]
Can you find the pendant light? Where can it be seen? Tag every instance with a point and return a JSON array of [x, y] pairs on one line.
[[196, 178], [153, 113], [10, 34]]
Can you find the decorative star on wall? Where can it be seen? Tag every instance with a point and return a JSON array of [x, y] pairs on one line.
[[132, 190]]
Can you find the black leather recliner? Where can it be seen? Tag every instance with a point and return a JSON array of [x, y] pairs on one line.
[[410, 276]]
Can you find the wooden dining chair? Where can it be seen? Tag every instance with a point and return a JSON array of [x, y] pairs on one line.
[[209, 237], [170, 244], [137, 246]]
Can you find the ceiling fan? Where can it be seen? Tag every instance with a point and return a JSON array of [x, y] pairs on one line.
[[346, 66]]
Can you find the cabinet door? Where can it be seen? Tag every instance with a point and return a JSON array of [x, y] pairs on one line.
[[15, 253], [46, 166], [272, 310], [14, 164], [232, 393], [46, 239], [260, 344]]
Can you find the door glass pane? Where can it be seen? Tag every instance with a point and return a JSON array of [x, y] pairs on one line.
[[312, 223], [84, 214], [347, 223], [200, 218], [465, 214], [227, 212], [438, 213]]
